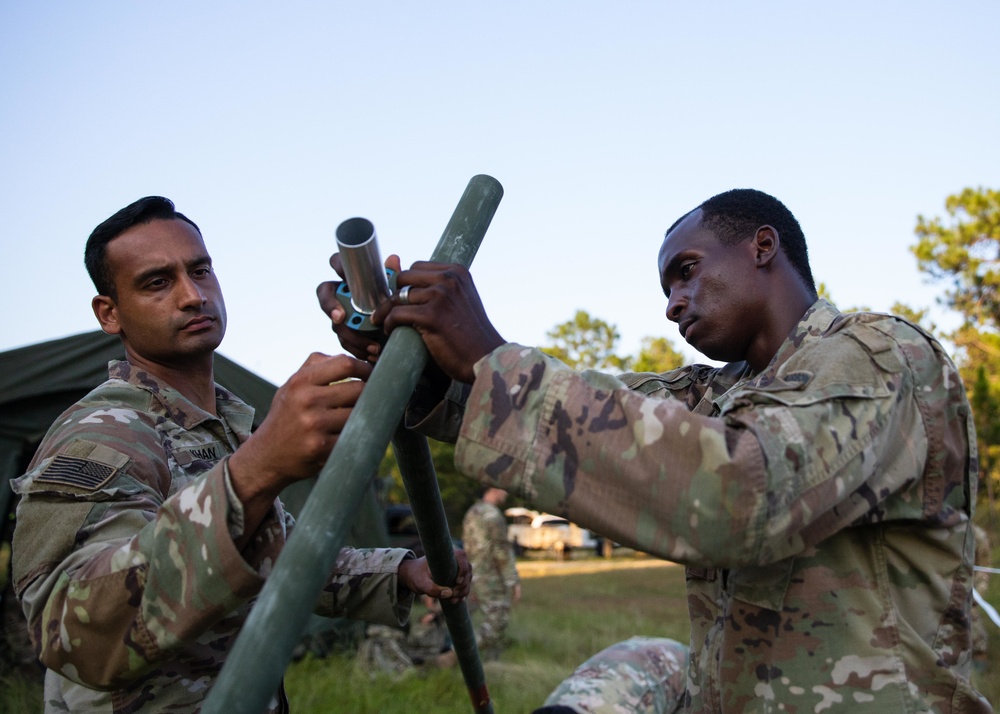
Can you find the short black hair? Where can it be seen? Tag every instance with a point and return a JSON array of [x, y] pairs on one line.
[[145, 210], [736, 215]]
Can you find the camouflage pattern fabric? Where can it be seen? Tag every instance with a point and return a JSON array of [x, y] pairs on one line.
[[382, 652], [822, 506], [427, 635], [642, 675], [124, 558], [484, 538], [397, 651]]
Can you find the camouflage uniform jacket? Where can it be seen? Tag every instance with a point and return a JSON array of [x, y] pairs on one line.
[[484, 539], [124, 558], [822, 506]]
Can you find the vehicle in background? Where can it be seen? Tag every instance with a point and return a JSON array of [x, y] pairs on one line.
[[531, 530]]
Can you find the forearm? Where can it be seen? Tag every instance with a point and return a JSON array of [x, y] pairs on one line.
[[646, 472], [364, 585]]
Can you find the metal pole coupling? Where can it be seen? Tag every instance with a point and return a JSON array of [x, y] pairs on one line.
[[248, 681], [366, 283]]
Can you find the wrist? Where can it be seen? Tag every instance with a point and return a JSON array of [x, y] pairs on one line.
[[250, 480]]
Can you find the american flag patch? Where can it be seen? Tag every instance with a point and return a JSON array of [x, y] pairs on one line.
[[73, 471]]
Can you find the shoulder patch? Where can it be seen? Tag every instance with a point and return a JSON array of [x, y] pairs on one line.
[[84, 465]]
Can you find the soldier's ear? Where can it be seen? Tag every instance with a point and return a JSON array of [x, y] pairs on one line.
[[766, 243], [106, 312]]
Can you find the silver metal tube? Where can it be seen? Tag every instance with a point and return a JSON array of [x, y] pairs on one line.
[[358, 247]]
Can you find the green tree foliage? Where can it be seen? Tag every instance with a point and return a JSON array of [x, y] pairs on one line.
[[657, 354], [917, 317], [457, 491], [965, 252], [986, 411], [586, 342], [823, 291]]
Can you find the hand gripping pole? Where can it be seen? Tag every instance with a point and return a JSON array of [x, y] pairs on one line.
[[261, 653]]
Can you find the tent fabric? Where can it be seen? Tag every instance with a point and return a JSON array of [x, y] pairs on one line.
[[39, 381]]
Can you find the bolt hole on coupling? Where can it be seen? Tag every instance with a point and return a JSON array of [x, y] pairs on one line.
[[367, 281]]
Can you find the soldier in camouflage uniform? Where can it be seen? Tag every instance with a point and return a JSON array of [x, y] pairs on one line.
[[496, 587], [424, 644], [819, 487], [149, 517]]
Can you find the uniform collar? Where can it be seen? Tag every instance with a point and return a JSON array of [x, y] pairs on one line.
[[234, 411], [815, 322]]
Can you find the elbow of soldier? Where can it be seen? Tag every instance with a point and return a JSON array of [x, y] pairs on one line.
[[99, 671]]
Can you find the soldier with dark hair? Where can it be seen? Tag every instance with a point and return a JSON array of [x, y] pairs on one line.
[[149, 517], [819, 486]]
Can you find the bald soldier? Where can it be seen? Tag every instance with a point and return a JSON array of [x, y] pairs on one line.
[[149, 517], [819, 487]]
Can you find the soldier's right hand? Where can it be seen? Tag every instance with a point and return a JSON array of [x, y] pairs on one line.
[[306, 417]]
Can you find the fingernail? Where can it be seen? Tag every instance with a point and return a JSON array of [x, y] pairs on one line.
[[445, 594]]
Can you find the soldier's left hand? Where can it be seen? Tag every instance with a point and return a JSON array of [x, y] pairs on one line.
[[356, 343], [415, 574]]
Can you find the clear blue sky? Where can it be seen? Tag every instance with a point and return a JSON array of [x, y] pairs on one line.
[[270, 123]]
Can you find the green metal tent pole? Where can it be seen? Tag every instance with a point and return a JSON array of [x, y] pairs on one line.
[[420, 481], [254, 668]]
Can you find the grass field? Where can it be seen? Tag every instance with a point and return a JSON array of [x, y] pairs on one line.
[[561, 620]]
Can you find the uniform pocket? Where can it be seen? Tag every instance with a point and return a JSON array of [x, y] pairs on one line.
[[763, 585]]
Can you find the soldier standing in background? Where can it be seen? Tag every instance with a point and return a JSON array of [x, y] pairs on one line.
[[496, 586]]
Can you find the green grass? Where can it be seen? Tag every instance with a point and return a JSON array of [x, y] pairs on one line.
[[560, 621]]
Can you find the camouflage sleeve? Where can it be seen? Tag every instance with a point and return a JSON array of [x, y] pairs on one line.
[[364, 586], [779, 469], [435, 415], [116, 577]]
